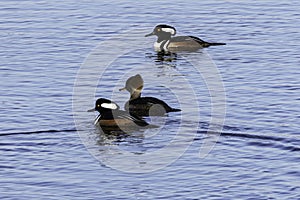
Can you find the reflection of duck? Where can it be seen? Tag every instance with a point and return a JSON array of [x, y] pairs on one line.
[[164, 59], [111, 116], [144, 106], [165, 41], [167, 57]]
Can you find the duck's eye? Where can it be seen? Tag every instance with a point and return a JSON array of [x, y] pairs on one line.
[[158, 30], [98, 105]]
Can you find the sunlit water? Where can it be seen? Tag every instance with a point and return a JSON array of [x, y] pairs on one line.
[[45, 43]]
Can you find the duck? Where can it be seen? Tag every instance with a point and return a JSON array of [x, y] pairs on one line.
[[166, 43], [144, 106], [111, 115]]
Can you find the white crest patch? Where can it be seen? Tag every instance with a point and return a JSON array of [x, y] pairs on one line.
[[112, 106], [169, 30]]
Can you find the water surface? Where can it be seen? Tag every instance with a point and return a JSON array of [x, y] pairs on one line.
[[44, 44]]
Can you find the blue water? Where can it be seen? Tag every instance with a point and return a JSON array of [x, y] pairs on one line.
[[49, 148]]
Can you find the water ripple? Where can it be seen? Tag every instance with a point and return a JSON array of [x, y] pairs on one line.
[[43, 45]]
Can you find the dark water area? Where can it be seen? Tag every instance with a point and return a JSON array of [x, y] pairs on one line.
[[237, 136]]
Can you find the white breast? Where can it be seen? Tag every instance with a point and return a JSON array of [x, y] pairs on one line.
[[96, 120], [158, 45]]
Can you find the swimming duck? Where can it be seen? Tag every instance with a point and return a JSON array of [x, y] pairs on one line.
[[144, 106], [111, 116], [165, 41]]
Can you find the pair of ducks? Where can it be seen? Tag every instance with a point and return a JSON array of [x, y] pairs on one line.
[[137, 107]]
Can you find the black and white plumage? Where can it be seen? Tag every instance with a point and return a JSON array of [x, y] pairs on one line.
[[111, 116], [165, 41], [144, 106]]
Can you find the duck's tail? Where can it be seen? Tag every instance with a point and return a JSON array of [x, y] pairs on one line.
[[174, 110], [215, 43], [206, 44]]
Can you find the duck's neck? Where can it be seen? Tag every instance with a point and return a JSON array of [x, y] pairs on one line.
[[135, 95], [163, 36], [163, 41]]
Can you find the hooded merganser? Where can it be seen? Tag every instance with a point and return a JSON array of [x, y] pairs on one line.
[[144, 106], [180, 43], [111, 116]]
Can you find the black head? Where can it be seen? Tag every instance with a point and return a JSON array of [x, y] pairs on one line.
[[163, 29], [102, 105], [134, 86]]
